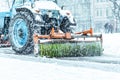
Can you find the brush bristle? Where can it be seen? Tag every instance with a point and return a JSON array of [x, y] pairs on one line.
[[70, 49]]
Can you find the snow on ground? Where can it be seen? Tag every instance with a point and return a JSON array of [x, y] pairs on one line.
[[18, 67], [111, 44], [13, 69]]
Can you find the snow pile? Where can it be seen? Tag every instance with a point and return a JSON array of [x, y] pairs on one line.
[[111, 44]]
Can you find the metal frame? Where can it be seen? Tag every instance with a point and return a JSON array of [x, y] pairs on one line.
[[57, 37]]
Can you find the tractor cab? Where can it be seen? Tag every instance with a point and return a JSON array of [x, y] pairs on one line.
[[4, 12], [5, 15]]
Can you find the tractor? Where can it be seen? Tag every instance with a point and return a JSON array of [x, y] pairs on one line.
[[20, 19]]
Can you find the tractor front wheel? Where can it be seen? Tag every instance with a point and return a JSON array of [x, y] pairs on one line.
[[65, 25]]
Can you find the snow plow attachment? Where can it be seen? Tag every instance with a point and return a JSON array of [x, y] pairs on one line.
[[58, 44]]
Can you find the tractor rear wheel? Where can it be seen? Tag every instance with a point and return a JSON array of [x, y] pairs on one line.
[[21, 33]]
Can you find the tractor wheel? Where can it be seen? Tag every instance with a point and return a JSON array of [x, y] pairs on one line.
[[21, 34], [65, 25]]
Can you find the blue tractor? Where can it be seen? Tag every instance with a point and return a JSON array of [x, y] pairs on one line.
[[20, 19]]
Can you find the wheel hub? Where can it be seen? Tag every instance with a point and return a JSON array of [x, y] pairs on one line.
[[20, 33]]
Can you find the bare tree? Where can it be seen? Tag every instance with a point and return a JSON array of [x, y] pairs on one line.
[[116, 11]]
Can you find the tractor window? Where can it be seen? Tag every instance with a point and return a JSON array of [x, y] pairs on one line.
[[21, 2], [26, 0], [18, 2], [4, 6]]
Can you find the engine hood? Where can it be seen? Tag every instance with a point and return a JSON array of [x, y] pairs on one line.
[[47, 5]]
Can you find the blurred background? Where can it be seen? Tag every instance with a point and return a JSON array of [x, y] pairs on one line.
[[93, 13]]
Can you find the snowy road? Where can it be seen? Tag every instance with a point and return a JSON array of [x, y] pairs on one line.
[[28, 67], [17, 67], [104, 63]]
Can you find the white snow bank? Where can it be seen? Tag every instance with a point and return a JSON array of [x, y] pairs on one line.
[[111, 44]]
